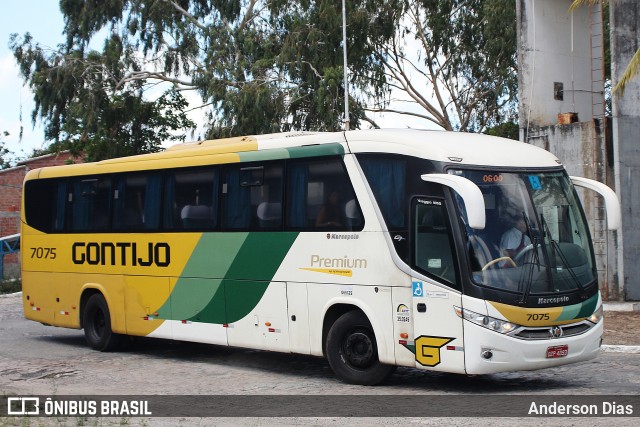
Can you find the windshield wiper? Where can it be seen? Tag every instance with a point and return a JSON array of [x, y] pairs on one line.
[[556, 249], [535, 258]]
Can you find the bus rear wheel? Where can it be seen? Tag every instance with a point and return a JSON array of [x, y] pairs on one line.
[[352, 351], [97, 325]]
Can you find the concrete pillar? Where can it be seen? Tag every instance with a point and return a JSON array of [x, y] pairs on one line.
[[554, 56], [625, 40]]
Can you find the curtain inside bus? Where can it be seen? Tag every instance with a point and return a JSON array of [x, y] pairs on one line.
[[298, 192], [387, 178]]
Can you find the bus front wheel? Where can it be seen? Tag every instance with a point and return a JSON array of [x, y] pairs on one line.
[[97, 325], [352, 351]]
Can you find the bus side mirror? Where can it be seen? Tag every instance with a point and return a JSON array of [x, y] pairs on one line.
[[614, 217], [470, 193]]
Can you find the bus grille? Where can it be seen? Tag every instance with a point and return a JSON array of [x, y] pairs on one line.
[[546, 333]]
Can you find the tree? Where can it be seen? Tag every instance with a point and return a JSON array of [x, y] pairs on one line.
[[312, 58], [509, 130], [4, 152], [83, 109], [633, 68], [456, 61], [258, 65], [263, 66]]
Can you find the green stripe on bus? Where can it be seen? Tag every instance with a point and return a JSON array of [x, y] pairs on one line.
[[214, 254], [261, 255], [292, 153], [580, 310], [257, 263], [263, 155], [226, 276], [202, 276], [316, 150], [588, 307]]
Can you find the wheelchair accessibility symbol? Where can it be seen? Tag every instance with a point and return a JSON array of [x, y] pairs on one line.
[[418, 289]]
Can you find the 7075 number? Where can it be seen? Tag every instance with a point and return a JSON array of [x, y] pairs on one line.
[[542, 316], [40, 253]]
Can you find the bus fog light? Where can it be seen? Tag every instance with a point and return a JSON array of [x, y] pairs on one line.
[[486, 354]]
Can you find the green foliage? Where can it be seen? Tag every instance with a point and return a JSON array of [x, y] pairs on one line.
[[83, 109], [466, 54], [125, 125], [312, 57], [259, 66], [10, 286], [509, 130], [5, 162]]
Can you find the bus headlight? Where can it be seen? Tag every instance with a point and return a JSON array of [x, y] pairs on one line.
[[501, 326], [596, 316]]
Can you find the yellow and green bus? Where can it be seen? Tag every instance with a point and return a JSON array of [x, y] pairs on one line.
[[374, 249]]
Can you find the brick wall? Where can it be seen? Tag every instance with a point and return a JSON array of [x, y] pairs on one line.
[[10, 200]]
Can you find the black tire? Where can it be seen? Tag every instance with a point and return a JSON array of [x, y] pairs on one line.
[[96, 321], [352, 351]]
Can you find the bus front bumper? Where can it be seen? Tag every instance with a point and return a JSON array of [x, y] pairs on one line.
[[488, 352]]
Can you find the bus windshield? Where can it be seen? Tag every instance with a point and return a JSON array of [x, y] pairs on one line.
[[536, 240]]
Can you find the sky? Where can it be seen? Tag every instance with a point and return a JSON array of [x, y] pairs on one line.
[[43, 19]]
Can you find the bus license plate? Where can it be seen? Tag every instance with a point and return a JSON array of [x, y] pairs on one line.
[[557, 351]]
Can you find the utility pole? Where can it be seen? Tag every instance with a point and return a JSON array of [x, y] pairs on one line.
[[346, 75]]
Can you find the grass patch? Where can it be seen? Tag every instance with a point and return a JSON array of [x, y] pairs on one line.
[[10, 286]]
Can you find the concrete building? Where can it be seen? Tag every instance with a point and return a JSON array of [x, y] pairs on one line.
[[625, 40], [10, 200], [562, 109]]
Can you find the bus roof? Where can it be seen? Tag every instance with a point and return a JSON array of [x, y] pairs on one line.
[[465, 148], [456, 147]]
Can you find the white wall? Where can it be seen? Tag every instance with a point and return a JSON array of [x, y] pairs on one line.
[[554, 46]]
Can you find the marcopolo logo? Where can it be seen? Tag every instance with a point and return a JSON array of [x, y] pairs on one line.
[[553, 300], [336, 236]]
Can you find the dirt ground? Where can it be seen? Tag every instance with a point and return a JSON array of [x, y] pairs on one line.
[[622, 327]]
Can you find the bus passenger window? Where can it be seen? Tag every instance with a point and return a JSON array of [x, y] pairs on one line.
[[90, 205], [320, 197], [191, 200], [45, 204], [137, 202], [252, 197]]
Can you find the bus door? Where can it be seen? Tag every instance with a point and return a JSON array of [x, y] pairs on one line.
[[437, 329]]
